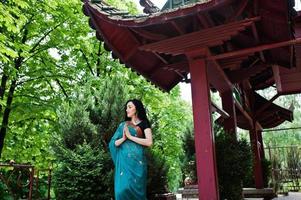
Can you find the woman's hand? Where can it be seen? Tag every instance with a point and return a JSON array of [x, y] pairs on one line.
[[121, 140], [124, 136], [126, 132]]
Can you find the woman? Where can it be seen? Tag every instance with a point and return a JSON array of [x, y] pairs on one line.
[[127, 150]]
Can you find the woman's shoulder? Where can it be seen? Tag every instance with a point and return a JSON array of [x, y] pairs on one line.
[[122, 123], [145, 123]]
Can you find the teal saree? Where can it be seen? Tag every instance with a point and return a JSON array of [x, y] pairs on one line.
[[130, 167]]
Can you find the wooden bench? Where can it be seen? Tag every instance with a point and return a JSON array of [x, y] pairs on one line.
[[265, 193]]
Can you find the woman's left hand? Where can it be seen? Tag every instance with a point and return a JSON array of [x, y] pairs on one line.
[[127, 132]]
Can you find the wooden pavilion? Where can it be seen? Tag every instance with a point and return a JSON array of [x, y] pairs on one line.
[[235, 47]]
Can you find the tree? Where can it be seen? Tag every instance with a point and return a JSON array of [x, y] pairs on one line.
[[30, 32], [84, 167], [47, 50]]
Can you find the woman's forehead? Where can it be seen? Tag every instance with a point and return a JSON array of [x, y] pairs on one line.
[[130, 104]]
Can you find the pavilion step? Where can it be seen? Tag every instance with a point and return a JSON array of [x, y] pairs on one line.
[[266, 193], [189, 192]]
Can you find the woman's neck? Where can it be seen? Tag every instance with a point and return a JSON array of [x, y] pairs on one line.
[[135, 120]]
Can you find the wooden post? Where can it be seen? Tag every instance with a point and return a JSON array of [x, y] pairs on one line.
[[257, 168], [259, 135], [204, 137], [228, 105]]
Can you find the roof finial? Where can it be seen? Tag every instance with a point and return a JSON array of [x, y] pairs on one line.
[[149, 7]]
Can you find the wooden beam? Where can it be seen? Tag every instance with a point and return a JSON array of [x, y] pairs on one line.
[[161, 58], [203, 21], [180, 67], [208, 37], [217, 77], [255, 33], [254, 49], [240, 9], [266, 105], [178, 29], [245, 113], [277, 78], [237, 76], [220, 111], [149, 35]]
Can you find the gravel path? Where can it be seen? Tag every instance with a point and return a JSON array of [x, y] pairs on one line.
[[291, 196]]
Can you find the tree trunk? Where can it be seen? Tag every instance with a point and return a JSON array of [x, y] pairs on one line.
[[18, 63], [6, 114], [2, 87]]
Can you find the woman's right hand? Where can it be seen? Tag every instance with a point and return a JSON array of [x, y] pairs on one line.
[[121, 140], [124, 132], [124, 135]]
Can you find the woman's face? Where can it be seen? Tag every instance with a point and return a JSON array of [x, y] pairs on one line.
[[130, 109]]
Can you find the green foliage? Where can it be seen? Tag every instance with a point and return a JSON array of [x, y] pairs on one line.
[[189, 162], [128, 5], [284, 137], [234, 161], [59, 52], [157, 182], [107, 108], [31, 33], [266, 171], [83, 173], [84, 167], [76, 127]]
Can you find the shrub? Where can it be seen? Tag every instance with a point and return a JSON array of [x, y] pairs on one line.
[[234, 162], [157, 175], [83, 173], [84, 167]]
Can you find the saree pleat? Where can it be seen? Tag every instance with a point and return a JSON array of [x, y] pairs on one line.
[[130, 167]]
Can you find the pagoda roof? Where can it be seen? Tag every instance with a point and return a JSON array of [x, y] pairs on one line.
[[272, 116], [125, 35], [257, 42]]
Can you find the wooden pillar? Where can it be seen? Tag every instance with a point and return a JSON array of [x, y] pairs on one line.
[[230, 124], [257, 168], [204, 137], [259, 135]]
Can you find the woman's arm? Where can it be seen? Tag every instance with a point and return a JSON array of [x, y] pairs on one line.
[[121, 140], [147, 141]]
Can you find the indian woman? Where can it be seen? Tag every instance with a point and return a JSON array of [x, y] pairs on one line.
[[127, 148]]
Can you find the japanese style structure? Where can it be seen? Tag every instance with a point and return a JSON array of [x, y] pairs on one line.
[[234, 47]]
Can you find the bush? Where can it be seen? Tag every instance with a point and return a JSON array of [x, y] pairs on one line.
[[157, 175], [234, 162], [189, 162], [266, 171], [84, 167], [84, 174]]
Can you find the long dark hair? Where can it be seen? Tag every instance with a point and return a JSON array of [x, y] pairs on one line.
[[141, 113]]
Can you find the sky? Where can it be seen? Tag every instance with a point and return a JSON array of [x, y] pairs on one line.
[[185, 88]]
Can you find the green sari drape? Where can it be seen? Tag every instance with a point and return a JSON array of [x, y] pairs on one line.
[[130, 167]]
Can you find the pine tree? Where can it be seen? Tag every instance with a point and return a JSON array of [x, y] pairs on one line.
[[85, 169]]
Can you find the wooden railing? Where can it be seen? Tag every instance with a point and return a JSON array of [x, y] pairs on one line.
[[286, 167], [23, 181]]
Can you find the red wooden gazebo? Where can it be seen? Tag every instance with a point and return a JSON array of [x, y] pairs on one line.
[[234, 47]]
